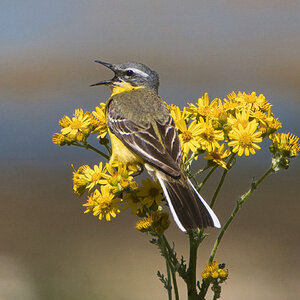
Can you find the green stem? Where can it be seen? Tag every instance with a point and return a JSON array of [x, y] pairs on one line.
[[188, 163], [191, 282], [200, 171], [222, 180], [187, 166], [88, 146], [166, 255], [206, 178], [203, 290], [175, 284], [169, 281], [238, 206], [107, 148]]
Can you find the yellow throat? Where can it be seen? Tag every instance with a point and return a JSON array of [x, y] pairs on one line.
[[123, 87]]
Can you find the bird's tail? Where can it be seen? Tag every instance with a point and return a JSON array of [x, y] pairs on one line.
[[188, 208]]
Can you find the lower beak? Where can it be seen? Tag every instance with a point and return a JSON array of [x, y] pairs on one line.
[[108, 65]]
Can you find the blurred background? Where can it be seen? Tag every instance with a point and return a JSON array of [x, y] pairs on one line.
[[49, 249]]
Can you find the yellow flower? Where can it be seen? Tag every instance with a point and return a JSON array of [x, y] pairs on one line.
[[133, 202], [79, 180], [218, 111], [223, 274], [58, 139], [260, 117], [145, 224], [80, 137], [103, 204], [189, 136], [176, 113], [232, 96], [155, 221], [245, 139], [285, 143], [80, 123], [98, 121], [94, 176], [263, 104], [64, 122], [209, 137], [272, 124], [231, 104], [150, 193], [119, 179], [214, 271], [218, 156], [203, 108], [241, 117], [253, 102]]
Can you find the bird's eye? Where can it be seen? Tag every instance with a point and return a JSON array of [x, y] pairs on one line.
[[129, 72]]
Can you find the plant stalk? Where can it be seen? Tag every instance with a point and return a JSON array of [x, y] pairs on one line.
[[88, 146], [169, 281], [238, 206], [191, 280], [206, 178], [213, 200], [166, 254]]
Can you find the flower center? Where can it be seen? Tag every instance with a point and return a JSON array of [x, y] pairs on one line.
[[76, 124], [250, 99], [208, 134], [153, 192], [204, 110], [134, 198], [95, 177], [215, 155], [115, 179], [245, 140], [244, 123], [104, 202], [187, 136], [124, 183]]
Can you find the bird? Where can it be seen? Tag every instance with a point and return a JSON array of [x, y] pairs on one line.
[[142, 132]]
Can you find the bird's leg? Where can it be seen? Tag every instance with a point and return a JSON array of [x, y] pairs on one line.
[[137, 168]]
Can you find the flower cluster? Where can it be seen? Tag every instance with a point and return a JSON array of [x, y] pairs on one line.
[[155, 221], [214, 271], [218, 129], [112, 188], [284, 146], [145, 198], [221, 131], [78, 128], [236, 125]]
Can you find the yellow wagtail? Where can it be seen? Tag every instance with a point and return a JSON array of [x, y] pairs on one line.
[[143, 132]]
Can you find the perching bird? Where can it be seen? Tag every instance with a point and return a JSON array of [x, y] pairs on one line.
[[143, 132]]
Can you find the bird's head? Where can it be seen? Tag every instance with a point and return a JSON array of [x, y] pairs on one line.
[[130, 75]]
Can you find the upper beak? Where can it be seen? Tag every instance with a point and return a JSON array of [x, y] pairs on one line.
[[108, 65]]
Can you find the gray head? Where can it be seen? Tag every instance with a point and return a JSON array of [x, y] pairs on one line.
[[132, 73]]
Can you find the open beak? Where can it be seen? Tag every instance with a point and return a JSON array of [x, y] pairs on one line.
[[108, 65]]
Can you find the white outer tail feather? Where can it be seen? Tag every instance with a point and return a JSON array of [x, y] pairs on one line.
[[210, 211], [170, 204], [215, 219]]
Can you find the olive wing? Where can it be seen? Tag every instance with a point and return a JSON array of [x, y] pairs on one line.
[[160, 148]]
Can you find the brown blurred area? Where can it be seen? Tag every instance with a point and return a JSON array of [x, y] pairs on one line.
[[49, 248]]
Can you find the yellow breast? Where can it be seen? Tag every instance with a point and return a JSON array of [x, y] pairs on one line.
[[121, 153]]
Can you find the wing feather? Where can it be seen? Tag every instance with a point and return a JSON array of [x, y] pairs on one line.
[[162, 151], [169, 132]]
